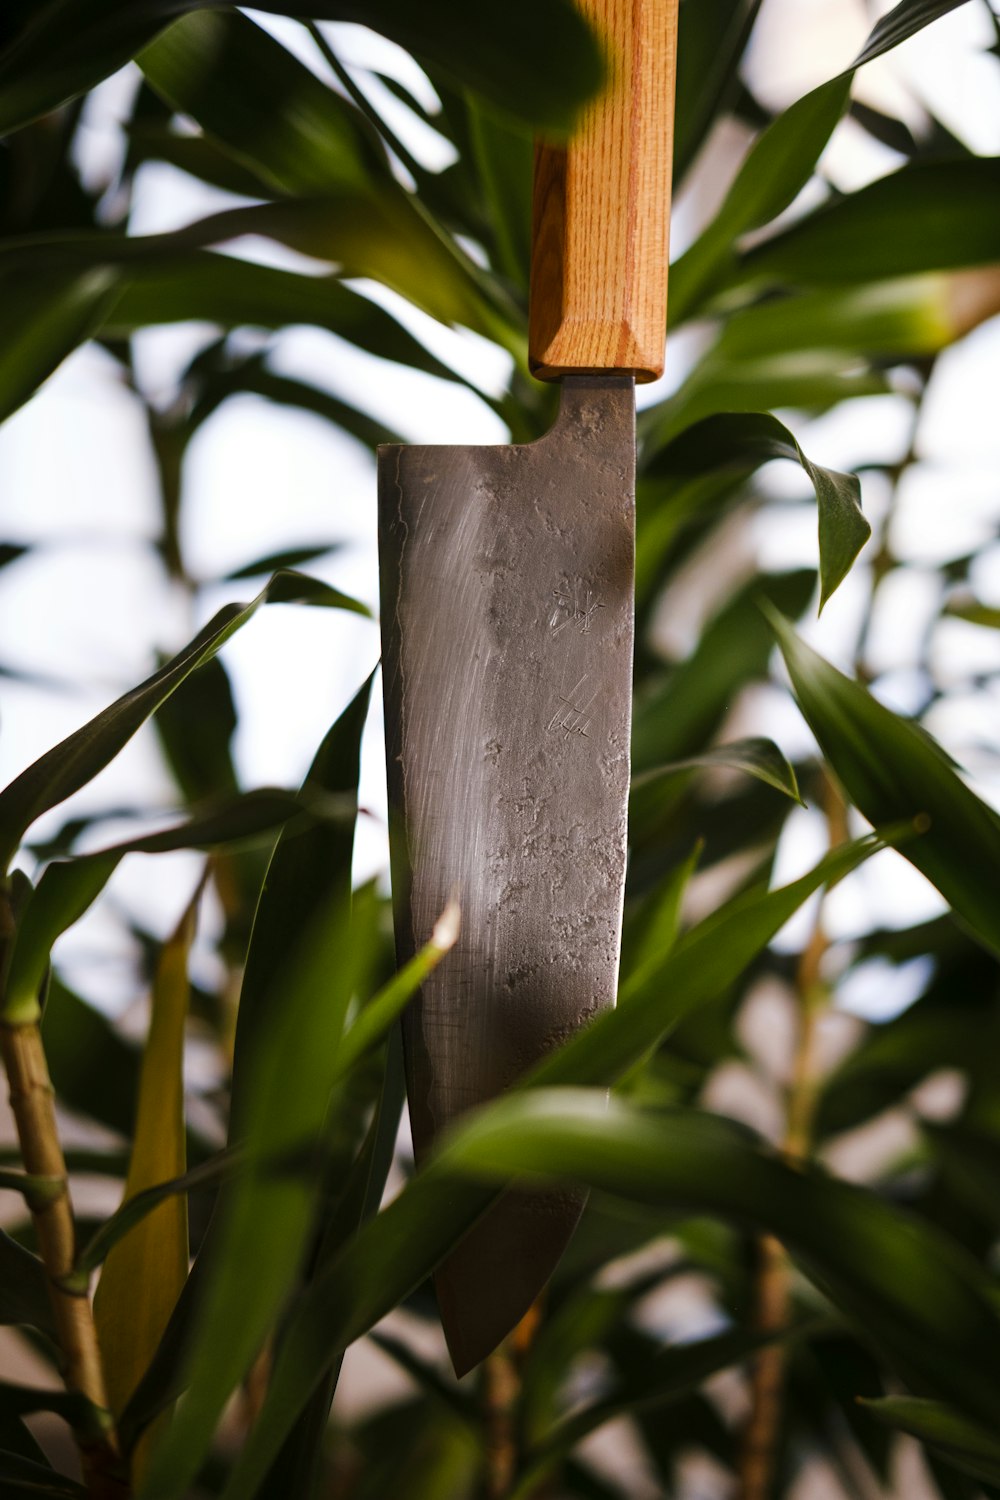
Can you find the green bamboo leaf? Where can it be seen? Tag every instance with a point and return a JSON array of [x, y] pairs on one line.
[[203, 286], [308, 878], [66, 46], [17, 1441], [270, 111], [24, 1292], [482, 48], [38, 1192], [69, 887], [88, 1421], [673, 1373], [782, 161], [291, 557], [883, 320], [263, 106], [942, 1029], [779, 165], [428, 1380], [387, 235], [60, 898], [894, 773], [195, 727], [657, 927], [300, 973], [503, 159], [297, 1464], [398, 1250], [44, 318], [674, 718], [700, 967], [741, 441], [136, 1208], [159, 279], [254, 378], [928, 216], [289, 587], [194, 154], [811, 380], [78, 758], [923, 1301], [711, 37], [245, 818], [22, 1477], [975, 612], [93, 1069], [758, 757], [970, 1446], [373, 1023], [904, 20]]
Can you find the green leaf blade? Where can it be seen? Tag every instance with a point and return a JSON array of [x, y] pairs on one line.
[[741, 441], [968, 1445], [393, 1254], [297, 983], [926, 1302], [69, 765], [70, 45], [895, 773], [757, 756]]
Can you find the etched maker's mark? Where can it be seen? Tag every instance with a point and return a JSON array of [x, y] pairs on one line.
[[573, 716], [574, 606]]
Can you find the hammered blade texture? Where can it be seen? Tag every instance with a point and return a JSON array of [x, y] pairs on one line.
[[507, 623]]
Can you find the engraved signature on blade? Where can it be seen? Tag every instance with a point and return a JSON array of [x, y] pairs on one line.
[[573, 716], [576, 606]]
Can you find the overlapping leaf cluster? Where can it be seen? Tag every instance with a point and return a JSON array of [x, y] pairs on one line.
[[253, 1268]]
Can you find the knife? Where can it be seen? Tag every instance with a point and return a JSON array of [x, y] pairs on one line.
[[507, 625]]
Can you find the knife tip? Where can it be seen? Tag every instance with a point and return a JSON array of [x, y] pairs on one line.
[[490, 1281]]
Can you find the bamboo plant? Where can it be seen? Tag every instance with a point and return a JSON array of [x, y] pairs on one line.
[[194, 1338]]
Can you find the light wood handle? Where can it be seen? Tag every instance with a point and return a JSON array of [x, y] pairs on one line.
[[601, 208]]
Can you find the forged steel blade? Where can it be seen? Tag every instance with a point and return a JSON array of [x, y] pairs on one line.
[[507, 623]]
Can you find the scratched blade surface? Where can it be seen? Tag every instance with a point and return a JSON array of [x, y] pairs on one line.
[[507, 622]]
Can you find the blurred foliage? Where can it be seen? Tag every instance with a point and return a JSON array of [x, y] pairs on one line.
[[845, 1313]]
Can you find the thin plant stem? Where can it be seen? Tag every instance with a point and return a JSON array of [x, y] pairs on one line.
[[772, 1290], [758, 1448], [32, 1103], [772, 1296], [501, 1392]]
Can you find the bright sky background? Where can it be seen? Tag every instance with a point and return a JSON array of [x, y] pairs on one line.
[[89, 606]]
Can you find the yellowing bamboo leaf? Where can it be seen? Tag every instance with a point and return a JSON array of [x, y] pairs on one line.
[[145, 1271]]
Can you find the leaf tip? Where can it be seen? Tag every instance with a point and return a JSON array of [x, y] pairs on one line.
[[446, 928]]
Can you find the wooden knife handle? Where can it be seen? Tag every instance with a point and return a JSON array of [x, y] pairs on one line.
[[601, 208]]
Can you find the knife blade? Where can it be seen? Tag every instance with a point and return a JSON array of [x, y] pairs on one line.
[[507, 626]]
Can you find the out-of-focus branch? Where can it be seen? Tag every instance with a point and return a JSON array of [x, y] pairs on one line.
[[501, 1390], [772, 1293]]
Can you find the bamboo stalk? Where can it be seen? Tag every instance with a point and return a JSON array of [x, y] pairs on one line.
[[501, 1392], [32, 1103], [501, 1387], [772, 1291], [758, 1449]]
